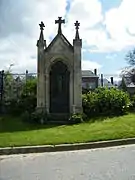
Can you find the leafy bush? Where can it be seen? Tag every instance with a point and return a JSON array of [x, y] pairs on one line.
[[26, 101], [17, 107], [39, 117], [28, 97], [104, 101], [26, 116], [132, 105], [13, 107], [76, 118]]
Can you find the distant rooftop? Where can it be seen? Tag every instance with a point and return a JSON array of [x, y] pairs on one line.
[[88, 73]]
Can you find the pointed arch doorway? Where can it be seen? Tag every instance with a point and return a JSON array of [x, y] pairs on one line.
[[59, 88]]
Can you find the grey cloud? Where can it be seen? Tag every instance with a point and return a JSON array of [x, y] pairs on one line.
[[10, 17], [19, 30], [16, 17], [15, 32]]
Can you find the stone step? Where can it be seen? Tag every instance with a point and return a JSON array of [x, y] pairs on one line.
[[58, 122], [59, 117]]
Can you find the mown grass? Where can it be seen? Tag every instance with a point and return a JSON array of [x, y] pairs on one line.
[[14, 132]]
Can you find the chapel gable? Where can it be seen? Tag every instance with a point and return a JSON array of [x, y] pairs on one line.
[[59, 45]]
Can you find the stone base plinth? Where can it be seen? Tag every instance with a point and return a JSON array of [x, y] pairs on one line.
[[76, 109]]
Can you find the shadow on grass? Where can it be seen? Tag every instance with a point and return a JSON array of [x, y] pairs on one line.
[[104, 117], [14, 124]]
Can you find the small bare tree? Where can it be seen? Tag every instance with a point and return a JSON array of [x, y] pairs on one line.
[[129, 72]]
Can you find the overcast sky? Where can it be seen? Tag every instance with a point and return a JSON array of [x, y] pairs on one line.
[[107, 30]]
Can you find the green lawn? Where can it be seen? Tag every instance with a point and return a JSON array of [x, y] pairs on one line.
[[13, 132]]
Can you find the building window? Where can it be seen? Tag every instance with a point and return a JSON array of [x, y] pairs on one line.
[[91, 85]]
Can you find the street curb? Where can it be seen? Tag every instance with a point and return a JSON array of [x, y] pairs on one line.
[[65, 147]]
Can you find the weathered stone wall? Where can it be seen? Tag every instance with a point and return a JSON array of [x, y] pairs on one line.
[[60, 51]]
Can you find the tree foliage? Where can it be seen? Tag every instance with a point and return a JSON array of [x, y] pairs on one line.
[[26, 99], [129, 71], [130, 57], [123, 85]]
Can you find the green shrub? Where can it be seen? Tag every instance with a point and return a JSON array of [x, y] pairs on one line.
[[14, 107], [39, 117], [132, 105], [76, 119], [26, 116], [104, 101], [26, 101]]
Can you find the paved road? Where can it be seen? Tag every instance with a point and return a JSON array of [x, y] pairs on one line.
[[99, 164]]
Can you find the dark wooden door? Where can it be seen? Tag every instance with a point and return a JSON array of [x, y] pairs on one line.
[[59, 88]]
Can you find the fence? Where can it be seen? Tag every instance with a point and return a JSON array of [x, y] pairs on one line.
[[11, 84]]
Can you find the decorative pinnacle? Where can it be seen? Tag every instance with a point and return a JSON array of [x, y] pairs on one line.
[[41, 41]]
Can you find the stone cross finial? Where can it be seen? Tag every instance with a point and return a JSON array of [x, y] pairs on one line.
[[59, 22], [77, 24], [41, 25]]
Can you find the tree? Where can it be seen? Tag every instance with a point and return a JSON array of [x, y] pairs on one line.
[[30, 87], [8, 79], [130, 57], [28, 98], [19, 93], [123, 85], [129, 72]]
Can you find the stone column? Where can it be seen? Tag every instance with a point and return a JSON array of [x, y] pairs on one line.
[[47, 94], [41, 45], [40, 84], [77, 81]]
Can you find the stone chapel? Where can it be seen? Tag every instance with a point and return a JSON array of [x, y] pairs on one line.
[[59, 78]]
